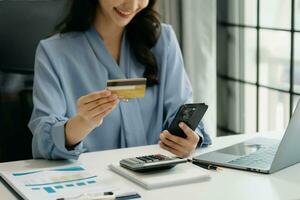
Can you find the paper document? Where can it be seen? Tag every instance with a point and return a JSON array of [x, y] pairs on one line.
[[54, 183]]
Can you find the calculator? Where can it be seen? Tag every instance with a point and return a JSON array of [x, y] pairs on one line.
[[151, 162]]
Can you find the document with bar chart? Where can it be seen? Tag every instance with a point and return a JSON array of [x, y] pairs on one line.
[[53, 183]]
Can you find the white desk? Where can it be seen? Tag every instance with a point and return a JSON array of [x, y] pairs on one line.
[[226, 184]]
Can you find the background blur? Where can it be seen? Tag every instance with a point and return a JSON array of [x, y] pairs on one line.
[[242, 56]]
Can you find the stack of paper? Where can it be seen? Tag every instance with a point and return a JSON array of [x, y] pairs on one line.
[[180, 174]]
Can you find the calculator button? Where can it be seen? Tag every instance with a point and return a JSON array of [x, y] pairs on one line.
[[154, 159], [142, 159], [148, 159], [134, 160], [157, 157], [162, 157]]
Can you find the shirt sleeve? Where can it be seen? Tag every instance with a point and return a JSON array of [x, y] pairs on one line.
[[178, 89], [49, 109]]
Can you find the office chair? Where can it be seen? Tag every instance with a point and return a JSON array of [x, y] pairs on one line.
[[23, 24]]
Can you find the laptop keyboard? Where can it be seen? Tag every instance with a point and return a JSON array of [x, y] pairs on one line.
[[260, 159]]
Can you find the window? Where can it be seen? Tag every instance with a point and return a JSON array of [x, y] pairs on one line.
[[258, 60]]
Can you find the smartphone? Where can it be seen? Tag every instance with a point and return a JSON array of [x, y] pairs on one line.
[[191, 115]]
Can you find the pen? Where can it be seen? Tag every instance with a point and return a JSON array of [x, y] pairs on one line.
[[101, 196], [206, 166]]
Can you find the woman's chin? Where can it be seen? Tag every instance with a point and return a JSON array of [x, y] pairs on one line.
[[122, 23]]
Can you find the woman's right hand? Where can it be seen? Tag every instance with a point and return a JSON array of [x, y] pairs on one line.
[[93, 107], [91, 110]]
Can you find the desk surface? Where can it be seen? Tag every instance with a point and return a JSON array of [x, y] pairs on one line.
[[225, 184]]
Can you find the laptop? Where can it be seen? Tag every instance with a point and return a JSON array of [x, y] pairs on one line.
[[261, 155]]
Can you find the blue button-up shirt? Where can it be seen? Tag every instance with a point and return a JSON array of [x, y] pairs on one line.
[[71, 65]]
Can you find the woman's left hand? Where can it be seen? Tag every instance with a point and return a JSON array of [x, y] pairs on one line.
[[182, 147]]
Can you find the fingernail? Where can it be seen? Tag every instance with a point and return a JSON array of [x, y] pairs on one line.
[[181, 124]]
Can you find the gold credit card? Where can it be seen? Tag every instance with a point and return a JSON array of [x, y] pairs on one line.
[[128, 88]]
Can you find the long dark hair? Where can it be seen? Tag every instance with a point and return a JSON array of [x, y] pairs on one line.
[[142, 32]]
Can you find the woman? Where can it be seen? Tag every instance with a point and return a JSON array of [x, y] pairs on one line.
[[102, 40]]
